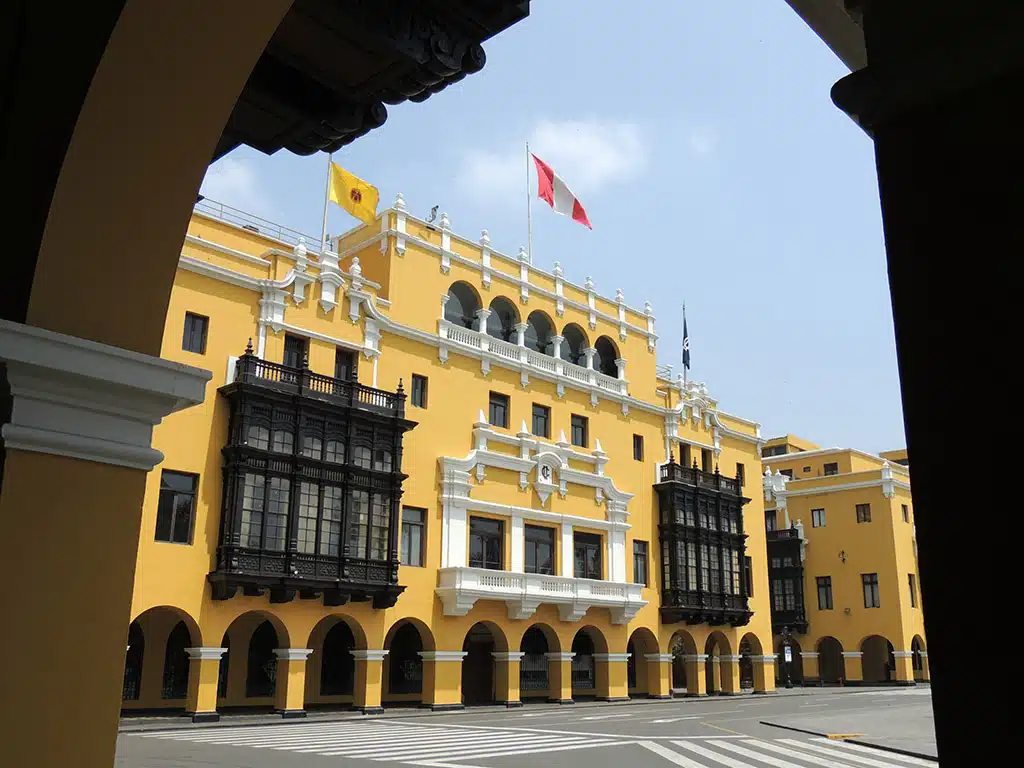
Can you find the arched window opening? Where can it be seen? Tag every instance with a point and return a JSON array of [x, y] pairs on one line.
[[261, 672], [539, 331], [406, 664], [462, 305], [337, 664], [605, 357], [501, 323], [133, 663], [175, 682], [573, 344]]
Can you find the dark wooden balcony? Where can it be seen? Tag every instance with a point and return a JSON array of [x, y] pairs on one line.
[[250, 369], [698, 607], [699, 478]]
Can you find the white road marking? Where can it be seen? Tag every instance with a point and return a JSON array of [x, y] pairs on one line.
[[605, 717], [832, 752], [807, 758], [671, 755], [808, 706], [723, 759], [677, 719], [889, 755], [743, 751]]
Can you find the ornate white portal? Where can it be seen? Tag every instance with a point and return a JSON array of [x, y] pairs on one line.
[[546, 467]]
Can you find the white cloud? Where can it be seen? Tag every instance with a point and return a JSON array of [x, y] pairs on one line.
[[234, 181], [588, 154]]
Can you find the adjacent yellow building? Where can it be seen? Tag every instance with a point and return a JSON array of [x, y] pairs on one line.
[[427, 472], [842, 565]]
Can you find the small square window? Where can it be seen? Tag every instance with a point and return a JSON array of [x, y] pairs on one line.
[[498, 410], [176, 507], [863, 513], [638, 447], [832, 468], [194, 337], [579, 427], [807, 469], [413, 535], [419, 391], [541, 421], [817, 518]]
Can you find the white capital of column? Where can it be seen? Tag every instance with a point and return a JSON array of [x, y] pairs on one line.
[[852, 654], [96, 402], [612, 656], [206, 654], [661, 657], [442, 655], [369, 655], [292, 654], [560, 656], [508, 655]]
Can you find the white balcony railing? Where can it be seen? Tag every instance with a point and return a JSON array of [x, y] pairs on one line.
[[529, 360], [459, 588]]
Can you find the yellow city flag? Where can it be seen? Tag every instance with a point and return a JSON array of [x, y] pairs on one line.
[[353, 194]]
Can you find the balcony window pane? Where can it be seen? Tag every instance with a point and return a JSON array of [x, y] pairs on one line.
[[335, 452], [259, 437], [362, 456], [380, 526], [308, 501], [413, 522], [277, 513], [382, 460], [330, 523], [540, 549], [311, 446], [486, 543], [251, 527], [357, 523]]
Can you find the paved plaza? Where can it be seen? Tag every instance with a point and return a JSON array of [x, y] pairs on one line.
[[789, 730]]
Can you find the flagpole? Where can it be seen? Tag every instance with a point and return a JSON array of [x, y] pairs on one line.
[[327, 200], [529, 208], [683, 361]]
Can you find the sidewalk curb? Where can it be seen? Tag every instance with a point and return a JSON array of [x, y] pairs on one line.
[[138, 725], [858, 742]]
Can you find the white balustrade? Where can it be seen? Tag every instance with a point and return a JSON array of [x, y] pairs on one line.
[[459, 588]]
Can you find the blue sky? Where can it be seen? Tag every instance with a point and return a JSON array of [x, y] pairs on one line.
[[701, 138]]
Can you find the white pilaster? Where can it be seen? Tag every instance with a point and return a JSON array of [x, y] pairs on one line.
[[518, 533], [567, 548]]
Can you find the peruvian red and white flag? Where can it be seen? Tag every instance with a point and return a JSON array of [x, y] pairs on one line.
[[556, 192]]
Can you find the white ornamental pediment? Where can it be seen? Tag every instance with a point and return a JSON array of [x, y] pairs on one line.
[[548, 476]]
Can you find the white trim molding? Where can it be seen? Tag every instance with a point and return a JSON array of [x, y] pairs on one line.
[[560, 656], [766, 659], [508, 655], [661, 658], [292, 654], [96, 402], [808, 655], [700, 658], [369, 655], [206, 654], [903, 654], [730, 657], [623, 657], [443, 655], [852, 654]]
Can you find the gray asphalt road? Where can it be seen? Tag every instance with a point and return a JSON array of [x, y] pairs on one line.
[[708, 733]]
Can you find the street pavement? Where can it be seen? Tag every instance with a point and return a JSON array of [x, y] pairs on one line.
[[706, 733]]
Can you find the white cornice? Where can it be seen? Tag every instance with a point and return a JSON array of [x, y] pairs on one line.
[[196, 240], [877, 483], [820, 452], [78, 398], [205, 268]]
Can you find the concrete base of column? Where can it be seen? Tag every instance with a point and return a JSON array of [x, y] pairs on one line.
[[658, 696], [510, 704], [290, 713], [205, 717], [377, 710], [442, 707], [611, 698], [562, 701]]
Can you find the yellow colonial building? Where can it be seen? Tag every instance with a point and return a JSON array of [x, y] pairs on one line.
[[426, 472], [842, 565]]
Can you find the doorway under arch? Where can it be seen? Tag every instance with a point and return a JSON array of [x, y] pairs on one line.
[[917, 659], [792, 670], [175, 677], [534, 678], [585, 644], [641, 643], [261, 663], [878, 662], [681, 646], [716, 647], [133, 663], [478, 665], [403, 666], [831, 665], [156, 666]]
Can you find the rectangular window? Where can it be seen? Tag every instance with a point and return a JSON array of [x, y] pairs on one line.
[[832, 468], [786, 473], [824, 593], [691, 564], [345, 361], [486, 543], [912, 579], [541, 421], [863, 513], [706, 460], [684, 455], [640, 562], [282, 441], [769, 520], [638, 447], [540, 549], [357, 523], [498, 410], [176, 507], [906, 513], [817, 518], [871, 598], [777, 596], [579, 427], [309, 499], [586, 555], [741, 474], [748, 572], [734, 570], [294, 351], [193, 339], [419, 390], [413, 527]]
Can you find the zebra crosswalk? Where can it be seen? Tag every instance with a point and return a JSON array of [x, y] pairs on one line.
[[447, 745]]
